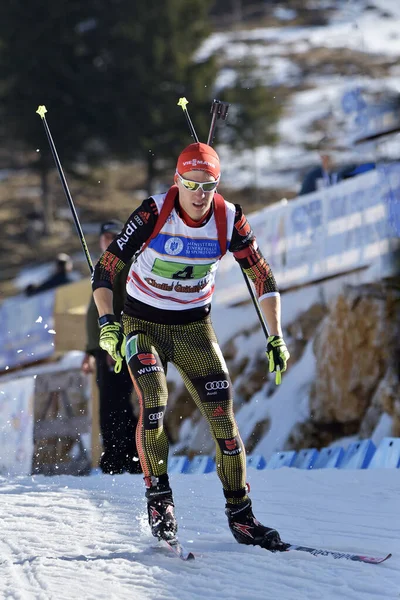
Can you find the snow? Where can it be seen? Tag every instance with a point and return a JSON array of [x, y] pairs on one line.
[[354, 27], [288, 406], [66, 537], [369, 35], [383, 429], [370, 27]]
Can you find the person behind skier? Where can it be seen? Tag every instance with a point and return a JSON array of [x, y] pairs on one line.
[[117, 419], [166, 318]]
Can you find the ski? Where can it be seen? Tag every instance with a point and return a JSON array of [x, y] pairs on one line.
[[373, 560], [176, 547]]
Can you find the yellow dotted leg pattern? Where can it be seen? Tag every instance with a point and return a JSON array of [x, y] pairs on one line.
[[193, 348]]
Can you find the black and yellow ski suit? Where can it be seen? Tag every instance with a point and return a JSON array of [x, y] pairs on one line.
[[186, 338]]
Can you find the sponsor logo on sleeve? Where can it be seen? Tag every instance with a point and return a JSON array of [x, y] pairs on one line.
[[138, 220], [145, 216], [130, 228]]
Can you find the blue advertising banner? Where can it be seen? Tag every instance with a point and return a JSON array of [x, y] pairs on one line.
[[26, 329], [390, 181], [351, 225], [334, 230]]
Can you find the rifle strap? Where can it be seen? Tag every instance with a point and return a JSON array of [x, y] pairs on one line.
[[167, 207]]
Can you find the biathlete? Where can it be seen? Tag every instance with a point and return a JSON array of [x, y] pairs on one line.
[[178, 239]]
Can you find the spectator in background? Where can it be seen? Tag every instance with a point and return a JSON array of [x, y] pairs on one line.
[[328, 173], [61, 276], [117, 420], [322, 176]]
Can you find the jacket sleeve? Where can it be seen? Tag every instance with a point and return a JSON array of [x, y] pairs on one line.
[[247, 253], [119, 290], [92, 315], [309, 183], [92, 328], [137, 229]]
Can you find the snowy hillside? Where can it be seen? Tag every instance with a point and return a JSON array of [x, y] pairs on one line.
[[359, 47], [65, 538]]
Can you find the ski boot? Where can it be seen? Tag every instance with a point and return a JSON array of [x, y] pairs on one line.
[[247, 530], [160, 509]]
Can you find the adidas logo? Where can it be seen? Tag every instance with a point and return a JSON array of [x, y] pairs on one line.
[[219, 412]]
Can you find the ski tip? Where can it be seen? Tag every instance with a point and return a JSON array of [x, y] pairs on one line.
[[372, 560], [179, 550], [386, 557]]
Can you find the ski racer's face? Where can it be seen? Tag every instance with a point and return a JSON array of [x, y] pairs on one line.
[[196, 203]]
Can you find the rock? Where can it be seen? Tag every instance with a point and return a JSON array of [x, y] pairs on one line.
[[353, 347], [386, 399]]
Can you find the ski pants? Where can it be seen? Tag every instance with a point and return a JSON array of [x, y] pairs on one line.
[[117, 420], [194, 350]]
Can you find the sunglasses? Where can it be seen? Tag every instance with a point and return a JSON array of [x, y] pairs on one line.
[[193, 186]]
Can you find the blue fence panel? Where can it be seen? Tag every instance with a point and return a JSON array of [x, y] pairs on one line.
[[387, 454], [25, 339], [201, 464], [329, 458], [178, 464], [305, 459], [256, 461], [358, 455], [281, 459]]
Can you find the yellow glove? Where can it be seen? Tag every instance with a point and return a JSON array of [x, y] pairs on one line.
[[278, 355], [112, 339]]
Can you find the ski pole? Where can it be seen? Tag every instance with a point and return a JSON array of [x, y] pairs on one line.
[[219, 110], [41, 111], [182, 103], [256, 305]]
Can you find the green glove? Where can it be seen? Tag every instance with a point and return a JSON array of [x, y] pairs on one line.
[[112, 339], [278, 355]]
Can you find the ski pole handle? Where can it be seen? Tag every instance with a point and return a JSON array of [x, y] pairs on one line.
[[219, 110], [182, 103]]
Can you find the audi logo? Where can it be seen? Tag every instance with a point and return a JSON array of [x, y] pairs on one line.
[[156, 416], [217, 385]]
